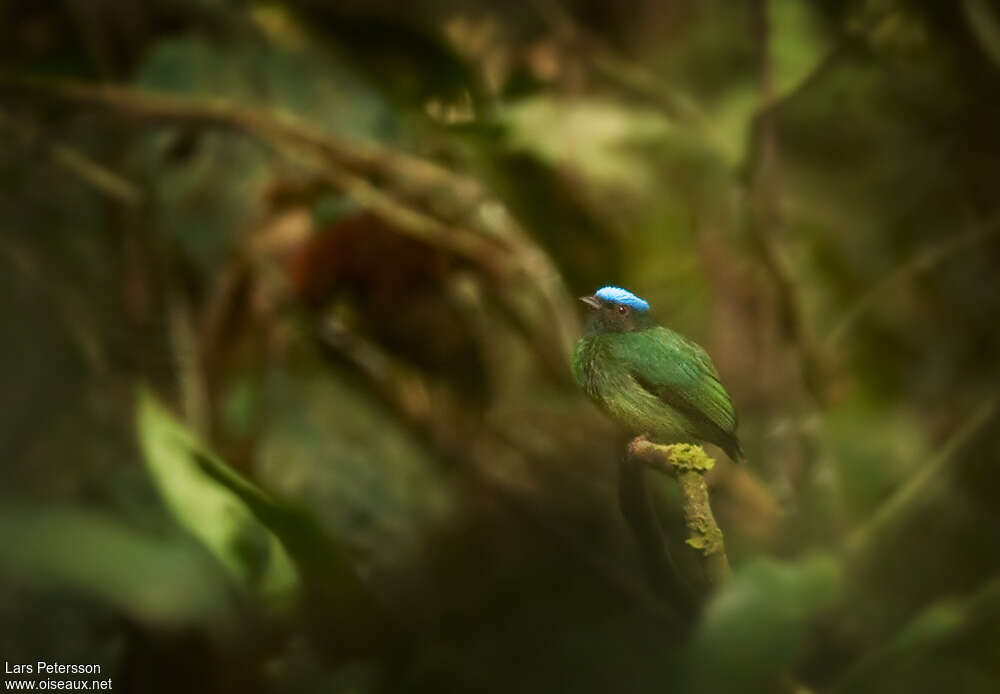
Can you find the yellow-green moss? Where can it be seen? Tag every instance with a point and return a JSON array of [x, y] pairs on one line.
[[688, 456]]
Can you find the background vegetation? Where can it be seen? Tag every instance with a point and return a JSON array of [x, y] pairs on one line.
[[287, 298]]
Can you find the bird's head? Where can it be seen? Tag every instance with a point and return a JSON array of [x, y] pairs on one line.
[[616, 310]]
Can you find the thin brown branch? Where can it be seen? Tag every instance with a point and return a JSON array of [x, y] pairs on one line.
[[942, 623], [764, 218], [610, 64], [188, 364], [923, 261], [321, 154], [914, 490], [80, 165], [492, 240]]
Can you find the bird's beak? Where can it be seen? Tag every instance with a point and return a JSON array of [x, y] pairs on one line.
[[591, 301]]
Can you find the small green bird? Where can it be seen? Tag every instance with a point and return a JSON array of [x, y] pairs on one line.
[[649, 378]]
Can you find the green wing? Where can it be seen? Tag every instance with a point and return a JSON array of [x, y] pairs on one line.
[[683, 376]]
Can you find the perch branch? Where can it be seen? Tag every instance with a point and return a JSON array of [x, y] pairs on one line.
[[408, 393], [688, 464]]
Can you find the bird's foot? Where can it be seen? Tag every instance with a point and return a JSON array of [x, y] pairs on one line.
[[642, 449], [636, 445]]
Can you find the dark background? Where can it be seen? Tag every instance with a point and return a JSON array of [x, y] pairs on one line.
[[287, 295]]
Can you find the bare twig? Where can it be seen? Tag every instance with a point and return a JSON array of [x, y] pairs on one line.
[[938, 625], [898, 505], [765, 213], [321, 154], [923, 261], [64, 299], [184, 342], [633, 76], [80, 165]]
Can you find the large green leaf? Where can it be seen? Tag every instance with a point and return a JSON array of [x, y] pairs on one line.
[[320, 559], [271, 548], [755, 626], [252, 555], [909, 655], [594, 138], [165, 582]]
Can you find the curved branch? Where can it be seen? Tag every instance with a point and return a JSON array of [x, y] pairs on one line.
[[921, 262], [938, 625], [903, 500], [478, 227]]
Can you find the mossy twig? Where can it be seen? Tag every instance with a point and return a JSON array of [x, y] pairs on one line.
[[688, 463], [395, 186]]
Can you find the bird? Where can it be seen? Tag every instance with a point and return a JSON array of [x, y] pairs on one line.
[[650, 379]]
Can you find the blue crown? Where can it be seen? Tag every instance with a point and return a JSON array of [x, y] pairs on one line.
[[618, 295]]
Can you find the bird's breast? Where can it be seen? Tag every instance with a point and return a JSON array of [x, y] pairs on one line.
[[591, 372], [610, 384], [602, 376]]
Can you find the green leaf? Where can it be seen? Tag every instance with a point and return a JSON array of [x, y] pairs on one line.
[[596, 138], [257, 537], [155, 581], [731, 118], [315, 553], [944, 622], [251, 554], [798, 43], [797, 46], [753, 628]]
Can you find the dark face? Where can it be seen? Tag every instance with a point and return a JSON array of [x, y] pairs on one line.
[[612, 317]]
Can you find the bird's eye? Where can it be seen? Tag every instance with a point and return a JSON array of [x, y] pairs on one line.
[[623, 310]]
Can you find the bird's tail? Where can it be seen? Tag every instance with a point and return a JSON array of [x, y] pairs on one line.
[[734, 450]]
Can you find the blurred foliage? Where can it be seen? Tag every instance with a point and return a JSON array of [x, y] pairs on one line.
[[757, 624], [252, 555], [287, 295]]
